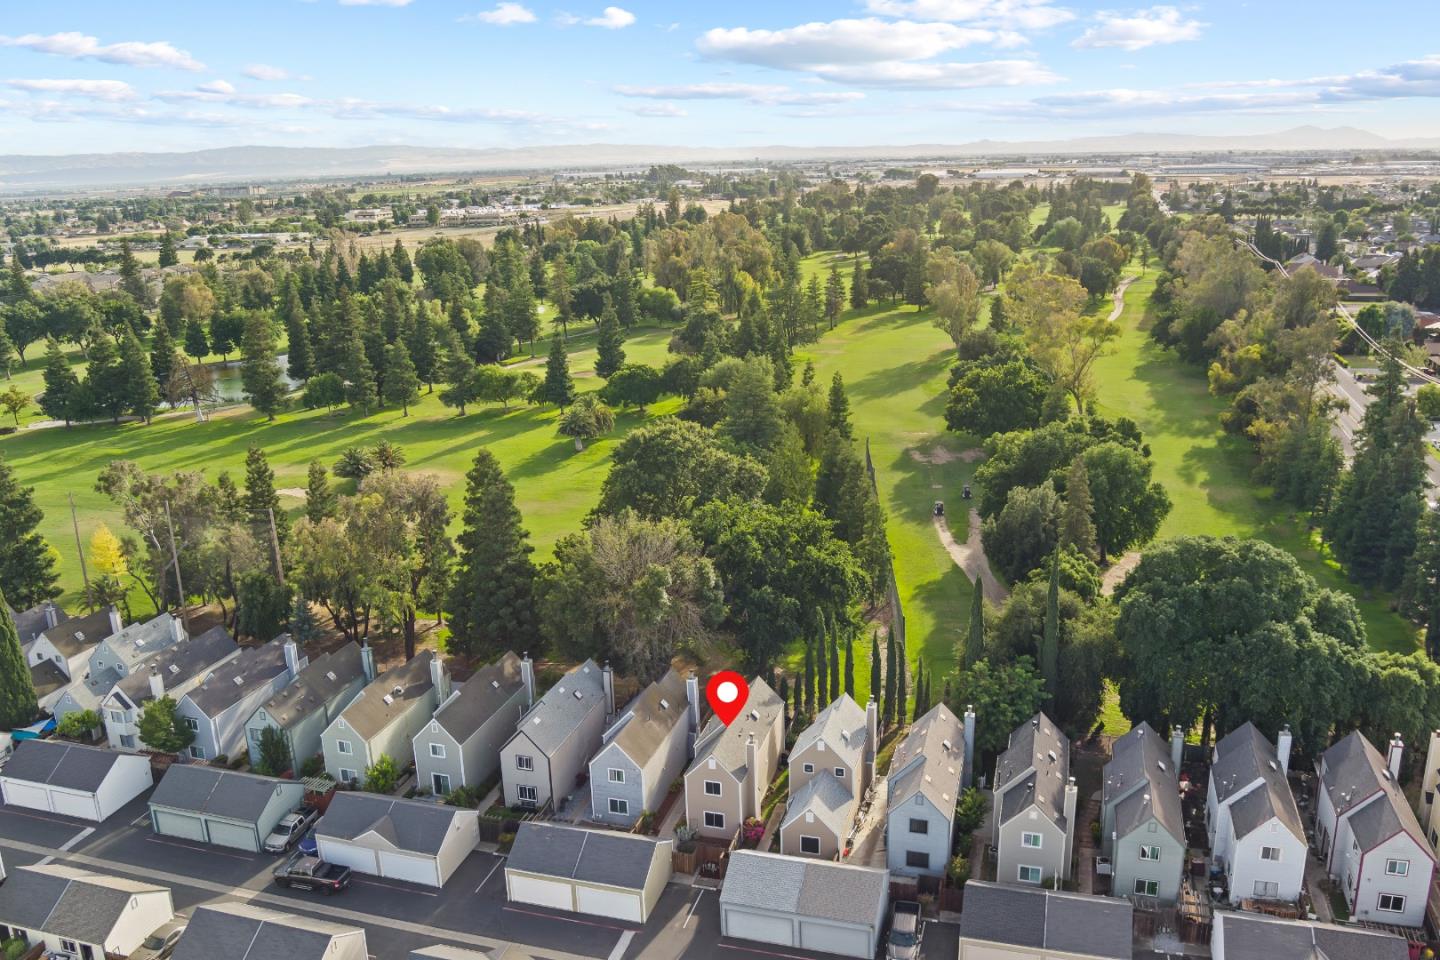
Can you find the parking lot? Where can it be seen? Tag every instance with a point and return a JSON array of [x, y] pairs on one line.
[[470, 911]]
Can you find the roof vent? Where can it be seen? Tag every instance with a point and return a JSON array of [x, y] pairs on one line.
[[1274, 765], [1161, 765], [397, 691], [388, 699], [1385, 773], [947, 745], [560, 689], [80, 635], [579, 695], [1051, 755], [536, 721], [331, 674], [664, 704], [495, 684], [755, 715], [174, 669], [239, 681]]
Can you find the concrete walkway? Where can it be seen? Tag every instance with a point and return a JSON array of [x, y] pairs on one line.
[[869, 846]]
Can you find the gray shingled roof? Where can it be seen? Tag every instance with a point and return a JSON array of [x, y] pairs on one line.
[[827, 799], [1034, 768], [370, 712], [805, 887], [71, 766], [727, 744], [652, 716], [47, 677], [1254, 937], [243, 931], [254, 667], [487, 690], [318, 682], [29, 624], [407, 824], [930, 760], [1034, 917], [444, 951], [77, 634], [1139, 781], [1353, 770], [134, 645], [573, 698], [66, 902], [181, 666], [215, 791], [842, 726], [574, 853], [1242, 757]]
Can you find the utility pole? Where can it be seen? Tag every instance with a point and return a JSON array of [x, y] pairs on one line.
[[175, 559], [84, 574], [275, 546]]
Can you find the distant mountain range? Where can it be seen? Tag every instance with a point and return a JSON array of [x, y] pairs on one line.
[[100, 171]]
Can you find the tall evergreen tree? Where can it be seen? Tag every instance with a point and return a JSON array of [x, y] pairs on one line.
[[810, 692], [919, 691], [60, 401], [197, 344], [400, 259], [888, 708], [877, 674], [357, 372], [902, 684], [975, 636], [321, 500], [261, 498], [859, 287], [834, 667], [610, 349], [622, 294], [106, 387], [130, 279], [492, 598], [822, 674], [142, 393], [17, 691], [260, 374], [1050, 640], [834, 295], [522, 317], [300, 355], [168, 256], [558, 387], [850, 667], [27, 564], [402, 383], [162, 355], [839, 407], [420, 340], [1077, 524]]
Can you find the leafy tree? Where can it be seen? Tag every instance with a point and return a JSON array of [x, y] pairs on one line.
[[382, 776], [168, 256], [161, 729], [1003, 696], [17, 692], [324, 390], [402, 384], [991, 398], [954, 291], [492, 602], [1077, 523], [1023, 534], [1128, 505], [671, 467], [633, 385], [260, 372], [27, 564], [274, 753], [262, 606], [112, 568], [107, 380], [753, 418], [587, 418], [79, 724], [61, 399], [302, 626], [14, 400], [558, 387], [610, 350], [1420, 590], [354, 464]]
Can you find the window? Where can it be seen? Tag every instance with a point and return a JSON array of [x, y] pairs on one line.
[[712, 788], [437, 750], [617, 775], [918, 825], [808, 767], [1391, 903], [197, 753], [1270, 853], [192, 723], [69, 946], [343, 747], [1028, 875], [620, 807], [524, 763], [715, 821], [1147, 888], [527, 794], [127, 741], [1267, 889], [1397, 868], [440, 784], [810, 845], [1149, 852], [117, 716], [917, 858], [348, 776], [1032, 841], [839, 773]]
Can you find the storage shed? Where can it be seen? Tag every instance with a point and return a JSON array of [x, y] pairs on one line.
[[410, 840], [811, 904], [72, 780], [616, 875], [228, 809]]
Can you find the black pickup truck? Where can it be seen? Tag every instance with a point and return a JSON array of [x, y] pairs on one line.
[[312, 873]]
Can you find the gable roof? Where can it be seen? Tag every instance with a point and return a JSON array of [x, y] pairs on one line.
[[181, 666], [236, 679], [841, 725], [574, 853], [1141, 785], [74, 636], [481, 697], [411, 825], [573, 698], [216, 791], [1242, 758], [133, 645], [1249, 936], [727, 743], [29, 624], [392, 694], [650, 718], [1034, 769], [69, 903], [71, 766], [1050, 920], [827, 799], [930, 760], [326, 675], [444, 951], [244, 931], [47, 677], [802, 886], [1352, 770]]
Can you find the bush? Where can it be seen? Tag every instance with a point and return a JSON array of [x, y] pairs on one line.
[[957, 871], [970, 811], [467, 797], [507, 840], [221, 760], [79, 724], [314, 767]]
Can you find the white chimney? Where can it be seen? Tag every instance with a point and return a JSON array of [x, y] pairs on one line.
[[1429, 780], [1282, 749], [752, 770], [177, 627], [1177, 748], [527, 676], [116, 625], [692, 697], [1072, 794], [367, 662], [967, 772], [1394, 755], [607, 679], [292, 656], [157, 684], [872, 729], [439, 678], [52, 614]]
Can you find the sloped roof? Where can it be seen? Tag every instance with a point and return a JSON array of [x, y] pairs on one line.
[[727, 744], [181, 666], [66, 902], [244, 931], [1242, 757], [1249, 936], [410, 825], [1034, 769], [841, 725], [827, 799], [803, 886], [487, 690], [29, 624], [649, 719], [134, 645], [73, 636], [1139, 782], [326, 675], [216, 791], [574, 853], [573, 698], [1353, 771], [71, 766], [930, 760], [390, 696], [236, 679], [1049, 920], [47, 677]]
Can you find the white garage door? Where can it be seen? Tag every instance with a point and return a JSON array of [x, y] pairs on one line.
[[542, 893], [19, 794], [179, 825], [237, 836], [830, 938], [400, 866], [610, 903], [744, 925], [80, 805], [356, 858]]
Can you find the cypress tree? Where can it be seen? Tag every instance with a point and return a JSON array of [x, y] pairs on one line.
[[27, 565], [859, 288], [975, 638], [610, 350], [834, 295], [196, 343], [62, 387], [400, 259], [822, 674], [834, 667], [320, 498], [1077, 524], [850, 667], [261, 498], [902, 692], [260, 373], [839, 407], [888, 709], [558, 387], [168, 256], [919, 691], [424, 351], [17, 692], [809, 676], [1050, 643], [300, 355], [105, 381], [492, 599], [877, 676], [142, 394], [402, 383], [130, 279], [162, 355]]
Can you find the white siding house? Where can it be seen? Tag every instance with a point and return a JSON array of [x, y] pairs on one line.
[[1256, 837], [927, 772]]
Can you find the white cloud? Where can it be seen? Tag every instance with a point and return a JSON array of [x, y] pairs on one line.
[[375, 3], [612, 18], [751, 92], [1141, 29], [217, 86], [109, 90], [79, 46], [658, 110], [271, 74], [504, 15], [1011, 14], [351, 108], [868, 40], [942, 76]]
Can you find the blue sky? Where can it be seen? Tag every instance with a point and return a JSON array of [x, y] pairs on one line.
[[93, 76]]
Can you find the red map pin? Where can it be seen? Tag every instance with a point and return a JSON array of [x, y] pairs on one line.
[[727, 692]]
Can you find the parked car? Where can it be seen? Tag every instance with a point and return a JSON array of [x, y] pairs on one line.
[[312, 873], [290, 829], [906, 931], [308, 846], [161, 944]]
